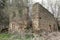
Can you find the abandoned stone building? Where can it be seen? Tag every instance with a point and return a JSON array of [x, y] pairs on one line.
[[19, 22], [18, 17], [42, 19]]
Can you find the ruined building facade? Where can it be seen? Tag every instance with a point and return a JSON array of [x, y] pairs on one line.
[[42, 19], [19, 22]]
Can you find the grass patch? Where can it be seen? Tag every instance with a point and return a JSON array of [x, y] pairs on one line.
[[5, 35], [14, 37]]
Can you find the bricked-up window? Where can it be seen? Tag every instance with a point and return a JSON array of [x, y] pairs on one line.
[[20, 13], [54, 27], [50, 27], [14, 14]]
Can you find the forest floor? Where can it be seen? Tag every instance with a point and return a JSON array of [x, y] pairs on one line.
[[13, 37], [50, 36]]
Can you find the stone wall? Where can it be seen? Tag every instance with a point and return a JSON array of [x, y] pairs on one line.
[[18, 24], [42, 19], [18, 17]]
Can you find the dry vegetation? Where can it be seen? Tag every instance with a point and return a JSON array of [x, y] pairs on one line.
[[50, 36]]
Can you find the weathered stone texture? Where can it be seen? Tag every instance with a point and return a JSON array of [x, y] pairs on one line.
[[42, 19], [18, 24]]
